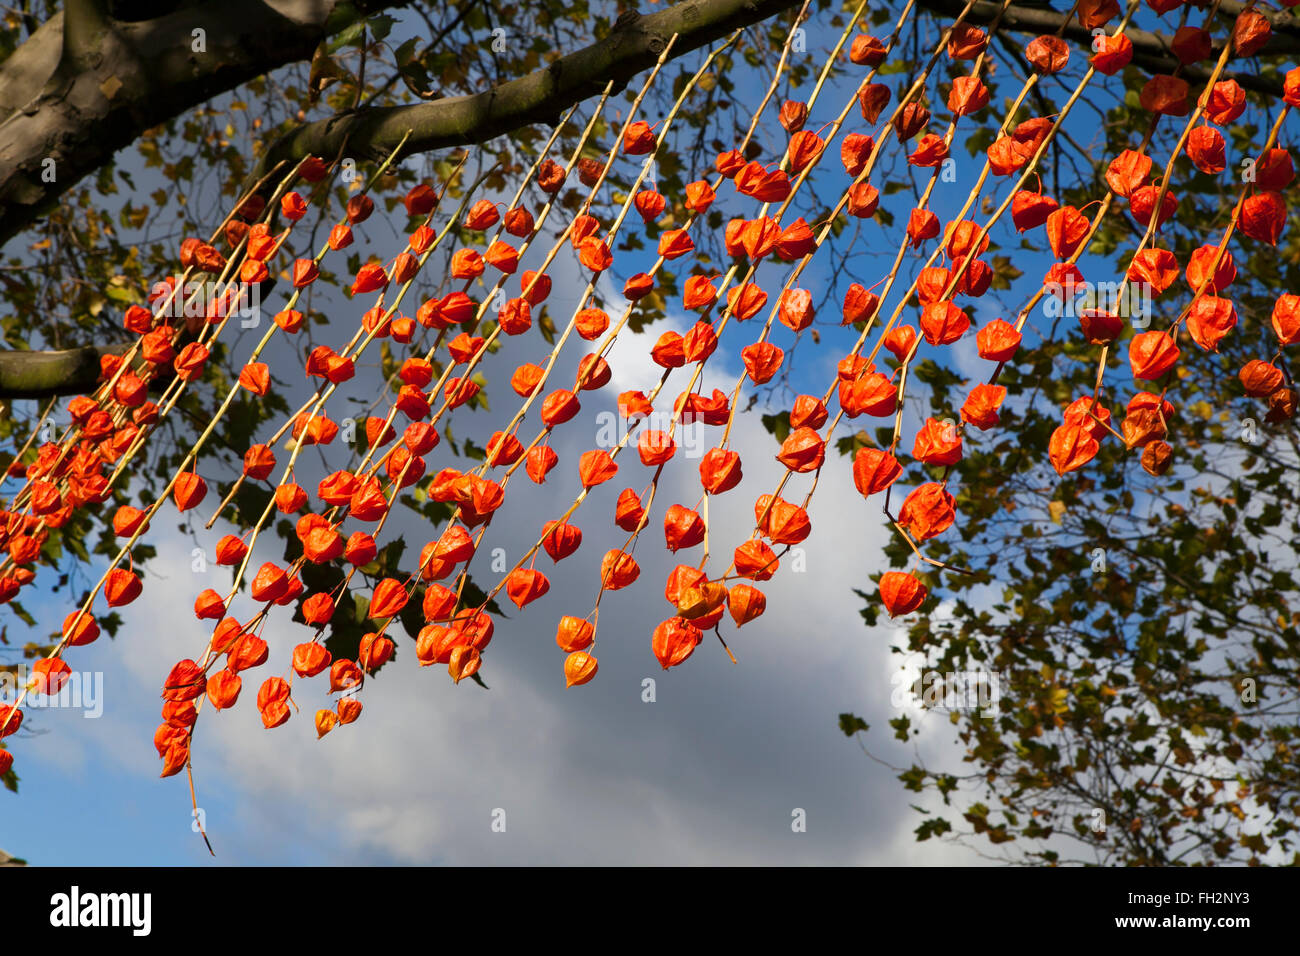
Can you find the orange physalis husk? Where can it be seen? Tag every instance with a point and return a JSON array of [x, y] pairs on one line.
[[1207, 150], [968, 96], [873, 394], [185, 681], [720, 470], [1152, 354], [699, 292], [1165, 95], [1155, 268], [270, 583], [930, 152], [927, 511], [699, 197], [1071, 447], [1029, 210], [1127, 172], [274, 690], [439, 602], [911, 119], [762, 361], [866, 50], [859, 304], [121, 587], [310, 659], [226, 634], [1260, 378], [579, 668], [654, 448], [805, 147], [1066, 230], [901, 593], [922, 224], [617, 570], [638, 139], [463, 662], [966, 42], [482, 215], [344, 675], [745, 301], [558, 407], [942, 323], [374, 651], [175, 759], [539, 461], [1142, 204], [574, 634], [223, 689], [230, 551], [1209, 320], [796, 309], [1199, 276], [550, 176], [1047, 54], [1156, 458], [1285, 319], [388, 599], [863, 200], [49, 675], [249, 651], [874, 470], [628, 513], [1113, 54], [594, 254], [519, 222], [808, 411], [1099, 326], [998, 341], [525, 585], [793, 115], [1274, 170], [745, 603], [349, 709], [872, 100], [683, 528], [780, 521], [209, 606], [596, 467], [754, 559], [674, 640], [1227, 101], [1250, 33], [1263, 217], [698, 599], [326, 720], [937, 443], [650, 204], [802, 451], [981, 407]]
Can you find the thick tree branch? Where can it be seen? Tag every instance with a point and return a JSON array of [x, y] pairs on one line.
[[26, 374], [539, 97], [1152, 52], [85, 85]]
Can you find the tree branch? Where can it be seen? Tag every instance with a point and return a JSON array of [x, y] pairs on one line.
[[25, 374], [85, 85], [539, 97]]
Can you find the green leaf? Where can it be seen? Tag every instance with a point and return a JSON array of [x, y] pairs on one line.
[[851, 724]]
